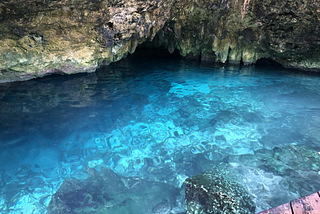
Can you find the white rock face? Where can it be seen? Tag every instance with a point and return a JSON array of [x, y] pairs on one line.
[[94, 163]]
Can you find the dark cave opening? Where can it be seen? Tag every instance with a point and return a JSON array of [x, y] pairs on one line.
[[268, 63], [145, 53]]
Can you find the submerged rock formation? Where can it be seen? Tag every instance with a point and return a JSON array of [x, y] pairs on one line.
[[107, 192], [217, 192], [40, 37]]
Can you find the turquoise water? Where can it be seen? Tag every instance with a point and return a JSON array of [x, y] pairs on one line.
[[145, 125]]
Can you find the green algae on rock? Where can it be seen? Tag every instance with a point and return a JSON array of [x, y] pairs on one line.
[[217, 191]]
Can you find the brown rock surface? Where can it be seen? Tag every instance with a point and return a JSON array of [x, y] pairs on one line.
[[39, 37], [72, 36]]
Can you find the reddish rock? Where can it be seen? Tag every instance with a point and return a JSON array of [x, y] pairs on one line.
[[282, 209], [309, 204]]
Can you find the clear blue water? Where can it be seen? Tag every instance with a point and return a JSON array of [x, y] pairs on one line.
[[159, 121]]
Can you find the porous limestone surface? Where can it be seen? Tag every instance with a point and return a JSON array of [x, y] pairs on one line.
[[43, 37]]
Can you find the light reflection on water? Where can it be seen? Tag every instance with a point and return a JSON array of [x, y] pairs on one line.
[[158, 121]]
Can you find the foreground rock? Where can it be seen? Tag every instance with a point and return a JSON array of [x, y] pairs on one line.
[[43, 37], [216, 192]]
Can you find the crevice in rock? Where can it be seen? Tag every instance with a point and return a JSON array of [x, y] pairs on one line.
[[241, 63], [199, 58], [228, 57], [268, 63], [143, 53]]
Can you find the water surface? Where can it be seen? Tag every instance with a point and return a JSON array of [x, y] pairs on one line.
[[153, 123]]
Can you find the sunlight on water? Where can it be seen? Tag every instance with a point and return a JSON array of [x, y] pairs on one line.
[[124, 139]]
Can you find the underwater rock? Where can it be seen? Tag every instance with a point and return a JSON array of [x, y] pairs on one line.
[[279, 175], [94, 163], [217, 191], [162, 208], [107, 192], [283, 161]]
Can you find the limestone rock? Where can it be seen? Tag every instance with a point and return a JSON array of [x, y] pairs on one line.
[[42, 37], [72, 36], [216, 192], [237, 31]]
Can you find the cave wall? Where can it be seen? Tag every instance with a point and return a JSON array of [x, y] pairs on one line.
[[39, 37], [233, 31]]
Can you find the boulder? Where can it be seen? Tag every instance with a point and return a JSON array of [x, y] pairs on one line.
[[217, 192]]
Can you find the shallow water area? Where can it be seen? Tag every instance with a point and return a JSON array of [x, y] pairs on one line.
[[141, 126]]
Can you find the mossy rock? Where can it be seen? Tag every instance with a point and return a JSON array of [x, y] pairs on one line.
[[217, 191]]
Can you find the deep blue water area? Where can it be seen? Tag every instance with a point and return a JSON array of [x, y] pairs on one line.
[[133, 132]]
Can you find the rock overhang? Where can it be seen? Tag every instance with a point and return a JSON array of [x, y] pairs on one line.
[[43, 37]]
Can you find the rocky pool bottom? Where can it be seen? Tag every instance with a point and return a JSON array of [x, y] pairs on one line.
[[126, 138]]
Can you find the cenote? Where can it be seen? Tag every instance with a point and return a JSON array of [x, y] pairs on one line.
[[125, 138]]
